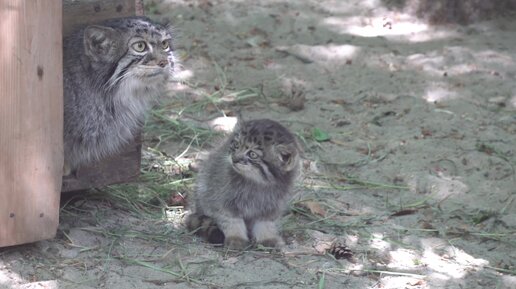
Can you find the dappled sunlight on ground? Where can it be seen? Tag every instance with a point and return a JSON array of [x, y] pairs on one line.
[[378, 243], [10, 279], [438, 94], [454, 263], [185, 75], [224, 123], [334, 54], [377, 26], [395, 26]]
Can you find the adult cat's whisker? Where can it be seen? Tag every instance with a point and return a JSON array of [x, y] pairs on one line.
[[114, 81]]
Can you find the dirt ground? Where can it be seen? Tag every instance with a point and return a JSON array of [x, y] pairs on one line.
[[409, 133]]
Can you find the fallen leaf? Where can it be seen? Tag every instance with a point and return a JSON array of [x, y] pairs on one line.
[[176, 200], [404, 212], [417, 283], [322, 247], [314, 207], [320, 135]]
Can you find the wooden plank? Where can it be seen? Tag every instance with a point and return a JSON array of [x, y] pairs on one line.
[[126, 166], [77, 13], [31, 117]]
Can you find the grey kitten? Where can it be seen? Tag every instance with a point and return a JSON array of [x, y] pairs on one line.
[[113, 73], [244, 185]]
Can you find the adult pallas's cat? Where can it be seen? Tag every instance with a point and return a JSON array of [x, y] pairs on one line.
[[244, 185], [113, 73]]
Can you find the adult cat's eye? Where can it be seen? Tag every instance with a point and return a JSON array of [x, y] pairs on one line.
[[252, 155], [139, 46], [165, 45]]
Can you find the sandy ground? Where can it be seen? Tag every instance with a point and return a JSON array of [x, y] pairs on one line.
[[409, 132]]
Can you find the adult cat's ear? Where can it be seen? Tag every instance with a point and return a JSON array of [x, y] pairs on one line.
[[100, 42]]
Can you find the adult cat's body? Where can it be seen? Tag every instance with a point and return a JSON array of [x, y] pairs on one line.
[[244, 185], [113, 73]]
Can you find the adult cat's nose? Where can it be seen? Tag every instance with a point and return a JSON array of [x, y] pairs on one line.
[[162, 63]]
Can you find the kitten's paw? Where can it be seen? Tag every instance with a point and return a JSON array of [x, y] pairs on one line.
[[235, 243], [266, 234], [272, 242]]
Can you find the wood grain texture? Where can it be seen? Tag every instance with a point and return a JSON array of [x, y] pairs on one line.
[[126, 166], [31, 117]]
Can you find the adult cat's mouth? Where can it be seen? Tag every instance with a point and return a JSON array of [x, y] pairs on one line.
[[151, 69], [151, 72]]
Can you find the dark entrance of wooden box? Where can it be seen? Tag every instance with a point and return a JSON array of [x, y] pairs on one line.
[[126, 166]]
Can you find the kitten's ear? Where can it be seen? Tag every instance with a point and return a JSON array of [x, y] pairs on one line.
[[288, 156], [100, 42], [239, 122]]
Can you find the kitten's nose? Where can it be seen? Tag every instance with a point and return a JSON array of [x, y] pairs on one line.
[[237, 159], [162, 63]]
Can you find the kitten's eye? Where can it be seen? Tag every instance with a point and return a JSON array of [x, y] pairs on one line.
[[139, 46], [252, 155], [165, 45]]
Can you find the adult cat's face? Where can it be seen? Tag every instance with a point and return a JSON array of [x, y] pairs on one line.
[[135, 49], [263, 151]]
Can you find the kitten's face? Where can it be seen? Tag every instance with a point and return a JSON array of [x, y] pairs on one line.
[[137, 49], [263, 151]]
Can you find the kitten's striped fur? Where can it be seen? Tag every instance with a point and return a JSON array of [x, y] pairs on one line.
[[113, 73], [243, 186]]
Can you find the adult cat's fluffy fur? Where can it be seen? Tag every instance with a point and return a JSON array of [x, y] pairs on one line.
[[113, 72], [244, 185]]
